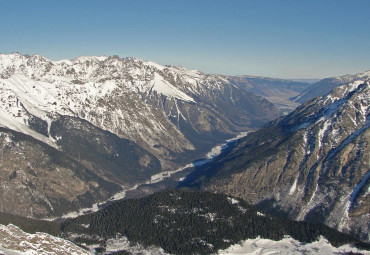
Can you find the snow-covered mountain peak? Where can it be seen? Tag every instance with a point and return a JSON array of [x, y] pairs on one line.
[[101, 68], [364, 75], [352, 77], [13, 59], [89, 58], [155, 65], [133, 59], [193, 73], [85, 87], [132, 72], [39, 58], [10, 56]]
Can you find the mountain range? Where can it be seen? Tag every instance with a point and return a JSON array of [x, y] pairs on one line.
[[99, 124], [77, 132]]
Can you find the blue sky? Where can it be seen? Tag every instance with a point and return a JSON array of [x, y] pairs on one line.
[[275, 38]]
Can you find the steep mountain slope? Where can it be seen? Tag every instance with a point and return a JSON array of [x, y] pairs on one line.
[[324, 86], [90, 166], [109, 156], [313, 164], [37, 180], [277, 91], [166, 110]]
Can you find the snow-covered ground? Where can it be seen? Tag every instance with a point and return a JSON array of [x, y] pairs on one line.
[[14, 241], [258, 246], [122, 243], [287, 246]]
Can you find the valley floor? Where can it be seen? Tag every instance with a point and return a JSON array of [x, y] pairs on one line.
[[155, 179]]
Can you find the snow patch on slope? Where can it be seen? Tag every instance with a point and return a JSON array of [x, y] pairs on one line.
[[165, 88], [322, 132], [87, 58], [294, 187], [155, 65]]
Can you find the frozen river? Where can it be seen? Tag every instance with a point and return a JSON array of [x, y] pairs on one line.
[[157, 178]]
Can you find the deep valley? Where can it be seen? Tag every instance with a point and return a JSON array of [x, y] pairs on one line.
[[126, 156]]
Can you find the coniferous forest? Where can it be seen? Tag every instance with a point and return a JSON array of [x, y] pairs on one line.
[[181, 222]]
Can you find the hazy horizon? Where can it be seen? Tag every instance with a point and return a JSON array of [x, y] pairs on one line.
[[281, 39]]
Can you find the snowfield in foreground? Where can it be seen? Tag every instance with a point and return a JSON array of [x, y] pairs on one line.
[[287, 245], [256, 246], [14, 241]]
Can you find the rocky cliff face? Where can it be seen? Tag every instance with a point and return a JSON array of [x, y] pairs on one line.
[[310, 165]]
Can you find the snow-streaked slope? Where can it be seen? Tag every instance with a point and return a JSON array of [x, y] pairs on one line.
[[340, 126], [287, 246], [335, 141], [14, 240], [311, 165]]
